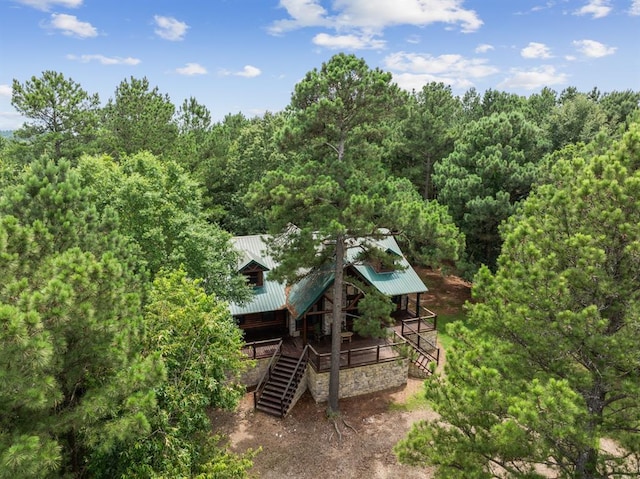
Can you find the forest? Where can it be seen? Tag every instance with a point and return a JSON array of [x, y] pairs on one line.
[[116, 265]]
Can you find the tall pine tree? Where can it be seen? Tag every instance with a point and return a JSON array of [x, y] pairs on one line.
[[549, 377], [335, 188]]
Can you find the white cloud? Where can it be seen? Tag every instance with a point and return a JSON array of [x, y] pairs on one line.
[[104, 60], [593, 49], [11, 120], [536, 50], [348, 42], [304, 13], [451, 63], [70, 25], [415, 81], [169, 28], [534, 79], [484, 48], [248, 71], [45, 5], [191, 69], [413, 70], [6, 90], [635, 8], [374, 15], [595, 8]]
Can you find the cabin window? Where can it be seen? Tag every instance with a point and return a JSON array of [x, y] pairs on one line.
[[255, 278], [382, 266]]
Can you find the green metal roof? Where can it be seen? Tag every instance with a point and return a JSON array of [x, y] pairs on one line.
[[308, 290], [401, 281], [273, 296]]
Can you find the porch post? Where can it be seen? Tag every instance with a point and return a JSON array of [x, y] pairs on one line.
[[304, 329]]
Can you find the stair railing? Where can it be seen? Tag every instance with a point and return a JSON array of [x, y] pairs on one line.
[[293, 375], [267, 374]]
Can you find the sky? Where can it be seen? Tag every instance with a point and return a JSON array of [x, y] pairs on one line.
[[247, 55]]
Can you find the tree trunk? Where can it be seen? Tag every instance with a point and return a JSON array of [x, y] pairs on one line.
[[587, 461], [336, 327], [428, 166]]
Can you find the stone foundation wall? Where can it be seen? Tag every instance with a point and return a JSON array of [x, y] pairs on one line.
[[302, 387], [252, 376], [417, 373], [360, 380]]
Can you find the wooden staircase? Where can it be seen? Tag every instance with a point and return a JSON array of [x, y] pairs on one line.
[[281, 384], [423, 361], [425, 351]]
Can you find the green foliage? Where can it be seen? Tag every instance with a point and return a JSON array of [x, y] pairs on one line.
[[200, 347], [426, 135], [335, 187], [244, 151], [62, 117], [50, 196], [70, 324], [493, 166], [160, 208], [551, 367], [620, 106], [374, 314], [139, 118], [578, 118]]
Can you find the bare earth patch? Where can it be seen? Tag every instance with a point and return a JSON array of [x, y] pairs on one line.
[[305, 443]]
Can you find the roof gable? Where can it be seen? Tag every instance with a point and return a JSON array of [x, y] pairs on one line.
[[301, 296]]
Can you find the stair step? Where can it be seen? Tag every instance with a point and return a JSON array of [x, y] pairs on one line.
[[269, 410], [275, 397], [268, 400]]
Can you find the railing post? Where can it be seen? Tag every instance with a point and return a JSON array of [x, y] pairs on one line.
[[378, 354]]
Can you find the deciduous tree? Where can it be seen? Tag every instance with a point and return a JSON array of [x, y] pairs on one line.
[[200, 347], [160, 207]]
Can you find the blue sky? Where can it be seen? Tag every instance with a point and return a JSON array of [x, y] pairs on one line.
[[247, 55]]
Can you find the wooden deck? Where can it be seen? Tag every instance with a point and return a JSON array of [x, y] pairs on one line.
[[358, 352]]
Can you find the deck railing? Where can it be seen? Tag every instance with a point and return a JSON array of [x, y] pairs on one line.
[[418, 332], [355, 357], [261, 349], [425, 315], [275, 354]]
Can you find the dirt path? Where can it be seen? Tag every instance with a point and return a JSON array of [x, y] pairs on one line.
[[305, 444]]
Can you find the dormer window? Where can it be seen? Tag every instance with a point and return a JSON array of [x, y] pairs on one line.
[[381, 261], [255, 278], [254, 274], [380, 266]]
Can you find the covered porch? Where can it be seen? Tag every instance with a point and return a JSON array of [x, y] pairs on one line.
[[356, 350]]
